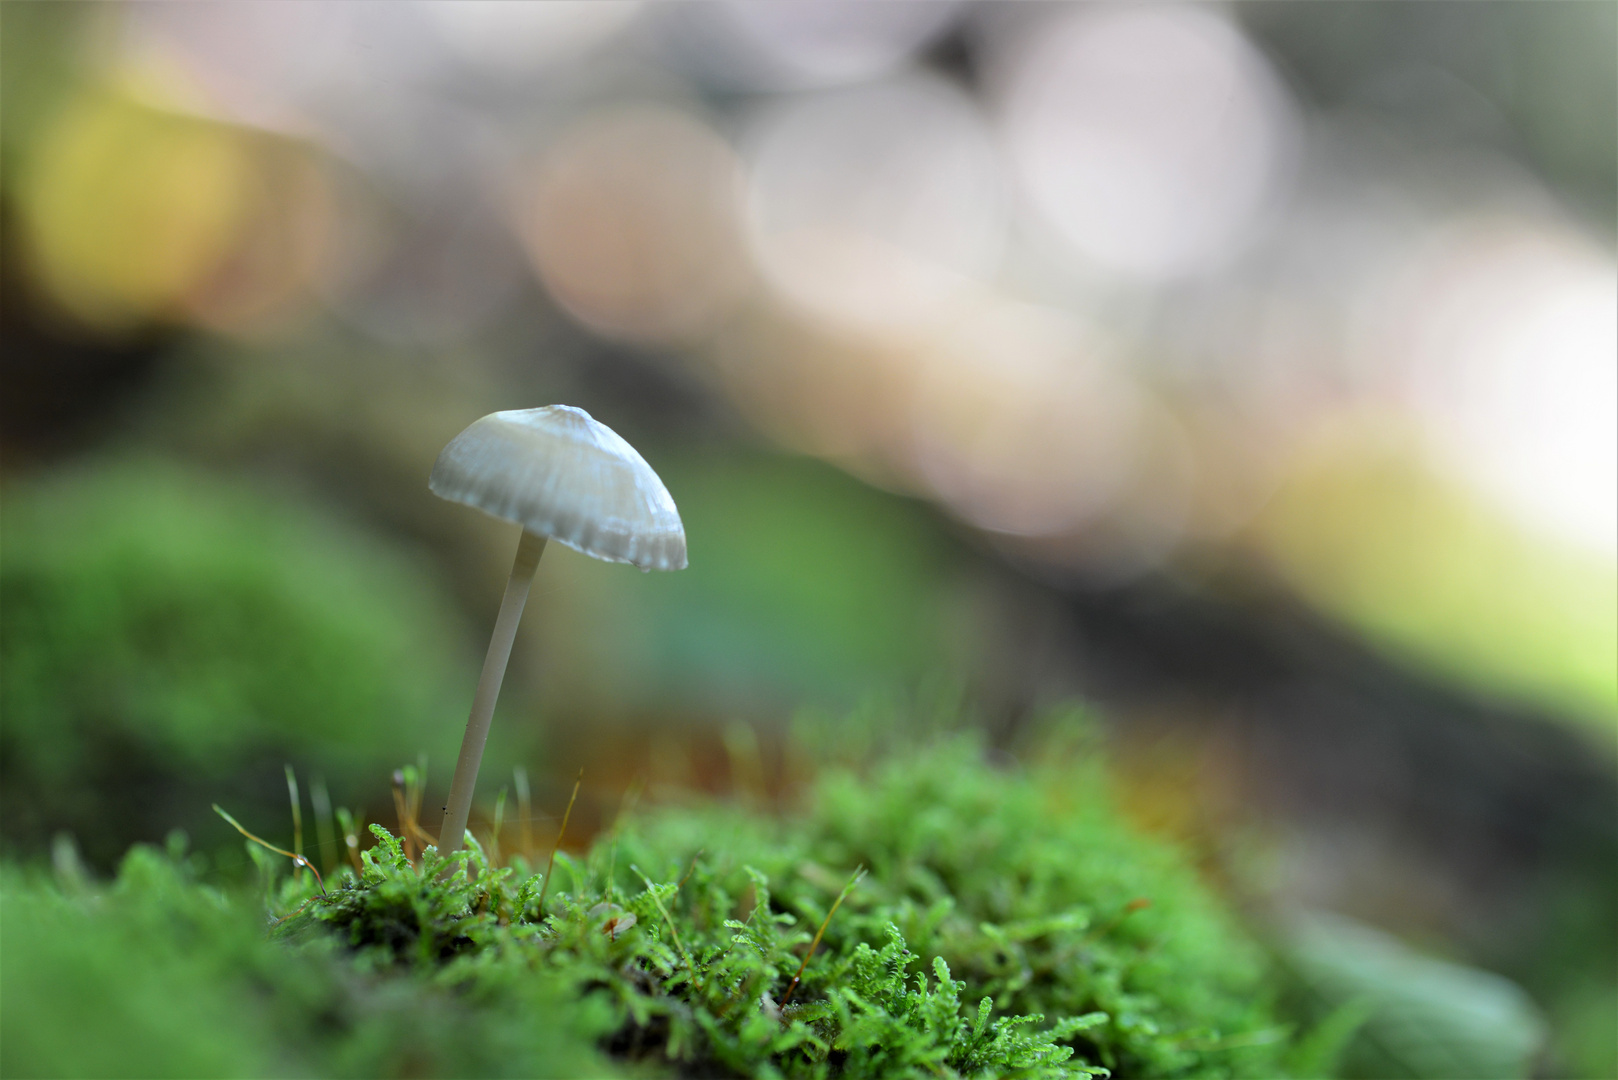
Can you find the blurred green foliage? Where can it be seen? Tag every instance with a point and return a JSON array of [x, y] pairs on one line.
[[1446, 582], [39, 68], [169, 636], [1423, 1017], [804, 586], [162, 976], [1547, 68]]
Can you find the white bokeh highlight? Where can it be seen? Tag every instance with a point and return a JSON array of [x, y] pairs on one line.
[[1151, 139], [872, 207], [1512, 339]]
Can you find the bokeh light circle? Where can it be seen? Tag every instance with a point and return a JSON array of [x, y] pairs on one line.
[[1151, 138], [873, 207], [798, 44], [1509, 333], [128, 210], [516, 38], [632, 222]]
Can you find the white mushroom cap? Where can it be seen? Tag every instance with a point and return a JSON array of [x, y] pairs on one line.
[[558, 472]]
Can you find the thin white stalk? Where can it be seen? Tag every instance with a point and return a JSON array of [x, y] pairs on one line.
[[529, 549]]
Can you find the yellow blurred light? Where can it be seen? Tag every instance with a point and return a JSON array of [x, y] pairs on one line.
[[126, 208], [1364, 530], [632, 223]]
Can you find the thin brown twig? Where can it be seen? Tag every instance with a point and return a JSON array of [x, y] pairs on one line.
[[691, 869], [297, 859], [674, 933], [293, 913], [544, 887], [422, 836], [815, 944], [1140, 903], [408, 807]]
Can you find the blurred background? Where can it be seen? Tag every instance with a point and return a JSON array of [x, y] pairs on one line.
[[1246, 372]]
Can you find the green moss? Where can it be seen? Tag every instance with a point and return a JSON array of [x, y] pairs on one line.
[[161, 975], [168, 636], [1007, 925], [1006, 918]]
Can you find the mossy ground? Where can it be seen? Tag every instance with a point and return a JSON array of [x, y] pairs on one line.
[[1007, 924], [169, 635]]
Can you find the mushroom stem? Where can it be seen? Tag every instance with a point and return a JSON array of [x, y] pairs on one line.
[[529, 549]]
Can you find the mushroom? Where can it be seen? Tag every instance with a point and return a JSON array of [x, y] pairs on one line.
[[563, 476]]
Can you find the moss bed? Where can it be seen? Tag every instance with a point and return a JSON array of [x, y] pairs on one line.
[[1006, 924]]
